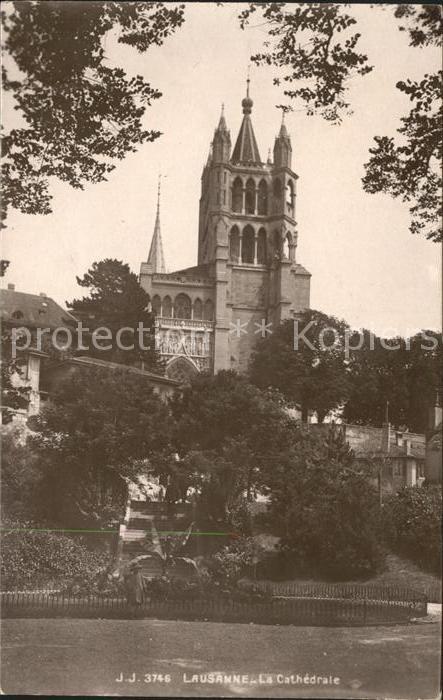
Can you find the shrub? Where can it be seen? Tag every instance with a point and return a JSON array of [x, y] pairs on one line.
[[412, 524], [235, 560], [33, 560]]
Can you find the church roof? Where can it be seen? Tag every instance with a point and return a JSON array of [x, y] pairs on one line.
[[246, 149], [156, 257]]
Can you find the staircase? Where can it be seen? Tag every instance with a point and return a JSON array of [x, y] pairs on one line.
[[135, 531]]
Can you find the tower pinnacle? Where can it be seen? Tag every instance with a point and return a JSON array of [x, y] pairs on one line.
[[156, 257]]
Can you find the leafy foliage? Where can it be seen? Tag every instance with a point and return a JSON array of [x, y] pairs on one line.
[[225, 429], [81, 114], [411, 168], [19, 477], [117, 302], [314, 46], [235, 560], [324, 508], [15, 393], [98, 427], [33, 560], [413, 523], [312, 375], [406, 377]]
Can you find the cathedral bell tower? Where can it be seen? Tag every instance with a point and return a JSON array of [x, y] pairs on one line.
[[248, 238]]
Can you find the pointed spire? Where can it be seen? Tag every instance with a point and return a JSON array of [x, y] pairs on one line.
[[156, 257], [246, 149], [222, 123], [283, 129]]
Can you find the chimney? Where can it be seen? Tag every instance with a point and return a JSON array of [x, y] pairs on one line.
[[11, 287], [435, 413], [386, 432], [42, 294]]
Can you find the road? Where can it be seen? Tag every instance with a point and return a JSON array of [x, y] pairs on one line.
[[166, 658]]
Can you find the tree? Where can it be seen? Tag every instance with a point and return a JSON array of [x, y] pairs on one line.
[[15, 394], [80, 113], [324, 508], [405, 372], [225, 431], [19, 476], [312, 375], [313, 45], [98, 427], [413, 523], [117, 301]]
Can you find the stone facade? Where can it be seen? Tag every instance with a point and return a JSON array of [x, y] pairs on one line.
[[247, 277]]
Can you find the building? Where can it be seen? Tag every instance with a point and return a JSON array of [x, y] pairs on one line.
[[396, 456], [55, 372], [247, 275], [21, 310], [39, 369]]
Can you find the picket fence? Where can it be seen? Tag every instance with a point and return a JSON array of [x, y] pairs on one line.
[[291, 610]]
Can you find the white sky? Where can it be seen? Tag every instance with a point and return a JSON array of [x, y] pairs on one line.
[[366, 267]]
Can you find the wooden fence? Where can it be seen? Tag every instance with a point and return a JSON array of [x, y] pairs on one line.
[[277, 611]]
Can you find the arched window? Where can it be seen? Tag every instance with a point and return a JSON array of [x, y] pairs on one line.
[[182, 306], [209, 310], [156, 305], [167, 307], [286, 243], [198, 309], [237, 195], [250, 197], [277, 189], [277, 244], [290, 198], [17, 315], [234, 244], [247, 250], [262, 198], [261, 247]]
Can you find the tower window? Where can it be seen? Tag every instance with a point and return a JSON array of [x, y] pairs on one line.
[[198, 309], [250, 197], [182, 306], [277, 245], [290, 198], [209, 310], [286, 243], [224, 196], [261, 247], [247, 255], [167, 307], [237, 196], [234, 244], [262, 198]]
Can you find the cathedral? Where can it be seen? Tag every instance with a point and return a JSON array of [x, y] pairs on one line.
[[247, 278]]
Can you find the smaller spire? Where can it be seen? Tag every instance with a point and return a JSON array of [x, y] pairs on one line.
[[156, 257], [222, 123], [246, 101], [283, 129], [269, 161]]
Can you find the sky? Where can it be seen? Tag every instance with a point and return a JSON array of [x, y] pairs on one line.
[[366, 266]]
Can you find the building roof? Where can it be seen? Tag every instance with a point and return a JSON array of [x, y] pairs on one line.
[[84, 361], [32, 310]]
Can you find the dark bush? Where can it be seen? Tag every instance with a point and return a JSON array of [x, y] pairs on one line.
[[412, 521], [33, 560]]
